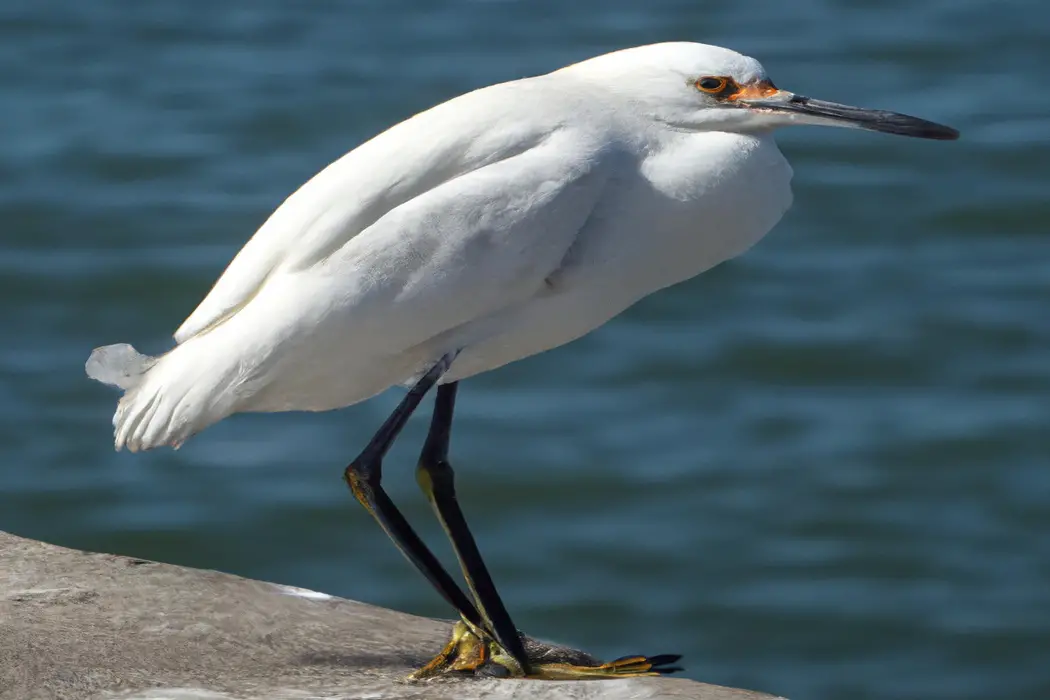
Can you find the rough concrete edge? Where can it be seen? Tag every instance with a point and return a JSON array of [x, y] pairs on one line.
[[94, 563]]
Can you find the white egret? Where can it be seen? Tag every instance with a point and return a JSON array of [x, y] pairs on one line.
[[497, 225]]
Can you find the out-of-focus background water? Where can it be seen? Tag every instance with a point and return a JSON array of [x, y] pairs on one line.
[[820, 470]]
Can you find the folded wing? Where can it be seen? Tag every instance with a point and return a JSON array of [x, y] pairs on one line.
[[353, 193]]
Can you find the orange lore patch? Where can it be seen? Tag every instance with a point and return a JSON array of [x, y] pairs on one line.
[[756, 90]]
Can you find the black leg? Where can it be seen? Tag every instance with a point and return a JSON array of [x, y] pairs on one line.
[[487, 624], [436, 478], [364, 476]]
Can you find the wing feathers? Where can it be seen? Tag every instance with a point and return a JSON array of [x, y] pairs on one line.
[[351, 194]]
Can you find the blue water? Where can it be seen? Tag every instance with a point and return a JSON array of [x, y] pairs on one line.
[[820, 470]]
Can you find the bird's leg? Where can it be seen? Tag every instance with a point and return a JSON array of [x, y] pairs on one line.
[[475, 645], [364, 476], [435, 477], [506, 647]]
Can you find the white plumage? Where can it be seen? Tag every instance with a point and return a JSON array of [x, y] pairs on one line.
[[502, 223]]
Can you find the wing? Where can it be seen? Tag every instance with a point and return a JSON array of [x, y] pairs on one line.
[[462, 251], [412, 158]]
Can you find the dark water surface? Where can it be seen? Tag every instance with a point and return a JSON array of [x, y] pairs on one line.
[[820, 470]]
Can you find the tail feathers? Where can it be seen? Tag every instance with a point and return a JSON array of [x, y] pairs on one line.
[[158, 407], [118, 365]]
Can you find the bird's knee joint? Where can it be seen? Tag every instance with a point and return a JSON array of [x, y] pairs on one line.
[[362, 474]]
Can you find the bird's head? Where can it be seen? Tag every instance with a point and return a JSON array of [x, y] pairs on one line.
[[709, 88]]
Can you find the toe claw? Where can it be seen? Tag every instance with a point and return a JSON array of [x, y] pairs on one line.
[[663, 663], [643, 665]]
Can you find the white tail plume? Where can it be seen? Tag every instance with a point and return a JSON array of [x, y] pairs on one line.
[[166, 399], [118, 365]]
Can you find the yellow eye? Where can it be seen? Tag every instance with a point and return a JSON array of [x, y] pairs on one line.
[[711, 84]]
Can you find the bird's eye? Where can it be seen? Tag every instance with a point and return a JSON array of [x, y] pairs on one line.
[[712, 84]]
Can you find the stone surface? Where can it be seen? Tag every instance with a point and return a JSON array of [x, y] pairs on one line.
[[83, 625]]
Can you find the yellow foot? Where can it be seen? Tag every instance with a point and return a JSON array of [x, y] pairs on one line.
[[467, 653]]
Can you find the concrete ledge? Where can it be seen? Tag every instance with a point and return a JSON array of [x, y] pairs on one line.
[[82, 625]]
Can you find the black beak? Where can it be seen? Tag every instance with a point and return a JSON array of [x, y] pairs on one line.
[[834, 114]]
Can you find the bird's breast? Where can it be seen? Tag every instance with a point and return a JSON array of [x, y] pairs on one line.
[[699, 200]]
